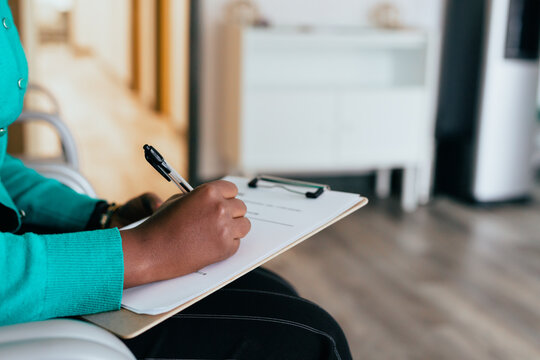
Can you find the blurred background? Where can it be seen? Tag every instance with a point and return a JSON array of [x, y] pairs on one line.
[[428, 107], [117, 74]]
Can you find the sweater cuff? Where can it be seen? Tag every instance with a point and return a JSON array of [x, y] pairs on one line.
[[85, 272]]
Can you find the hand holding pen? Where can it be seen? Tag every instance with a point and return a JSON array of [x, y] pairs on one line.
[[186, 233]]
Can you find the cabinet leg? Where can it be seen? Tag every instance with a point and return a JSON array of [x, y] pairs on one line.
[[425, 177], [409, 196], [424, 183], [383, 183]]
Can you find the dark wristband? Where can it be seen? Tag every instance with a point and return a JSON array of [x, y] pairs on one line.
[[94, 222]]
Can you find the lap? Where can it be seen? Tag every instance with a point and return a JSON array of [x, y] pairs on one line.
[[258, 316]]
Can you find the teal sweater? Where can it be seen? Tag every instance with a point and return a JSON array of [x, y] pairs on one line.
[[44, 276]]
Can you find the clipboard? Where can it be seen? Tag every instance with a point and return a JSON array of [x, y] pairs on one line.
[[128, 324]]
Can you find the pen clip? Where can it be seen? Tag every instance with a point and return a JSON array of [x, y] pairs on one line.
[[156, 160]]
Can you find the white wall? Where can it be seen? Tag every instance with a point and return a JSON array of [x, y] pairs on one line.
[[103, 26], [415, 13], [418, 13]]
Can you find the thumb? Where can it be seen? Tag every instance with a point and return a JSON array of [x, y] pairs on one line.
[[150, 202]]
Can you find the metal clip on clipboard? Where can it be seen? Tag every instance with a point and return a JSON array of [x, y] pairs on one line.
[[282, 183]]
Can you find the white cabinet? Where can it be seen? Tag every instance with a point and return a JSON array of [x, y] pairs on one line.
[[330, 101]]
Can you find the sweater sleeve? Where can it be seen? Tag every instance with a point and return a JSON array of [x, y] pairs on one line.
[[46, 276], [46, 202]]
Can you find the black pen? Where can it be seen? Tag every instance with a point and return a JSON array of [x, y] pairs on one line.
[[158, 162]]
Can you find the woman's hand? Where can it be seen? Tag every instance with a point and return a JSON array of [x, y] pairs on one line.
[[185, 234], [135, 209]]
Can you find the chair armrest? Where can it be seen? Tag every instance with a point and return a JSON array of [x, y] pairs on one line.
[[65, 174], [36, 88], [66, 138], [60, 349], [60, 339]]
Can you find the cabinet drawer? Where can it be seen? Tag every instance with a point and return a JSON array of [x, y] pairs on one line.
[[382, 127], [288, 130]]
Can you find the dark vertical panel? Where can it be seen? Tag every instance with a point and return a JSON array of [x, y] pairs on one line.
[[16, 131], [159, 55], [461, 71], [135, 46], [522, 34], [194, 91], [15, 6], [163, 54]]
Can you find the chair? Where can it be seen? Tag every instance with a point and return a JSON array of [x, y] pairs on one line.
[[64, 168], [59, 338]]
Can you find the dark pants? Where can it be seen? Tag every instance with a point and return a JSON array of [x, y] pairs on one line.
[[259, 316]]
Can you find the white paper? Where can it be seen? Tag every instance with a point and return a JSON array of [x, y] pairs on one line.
[[278, 218]]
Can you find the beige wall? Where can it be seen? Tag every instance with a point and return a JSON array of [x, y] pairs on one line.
[[39, 140], [179, 42], [103, 27], [147, 52]]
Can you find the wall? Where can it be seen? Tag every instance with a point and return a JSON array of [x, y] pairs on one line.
[[416, 13], [147, 53], [179, 60], [39, 141], [103, 27]]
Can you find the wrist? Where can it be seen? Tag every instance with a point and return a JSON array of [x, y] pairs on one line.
[[106, 216], [94, 221], [138, 267], [101, 216]]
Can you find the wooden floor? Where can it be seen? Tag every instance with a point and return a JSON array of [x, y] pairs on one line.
[[446, 282]]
